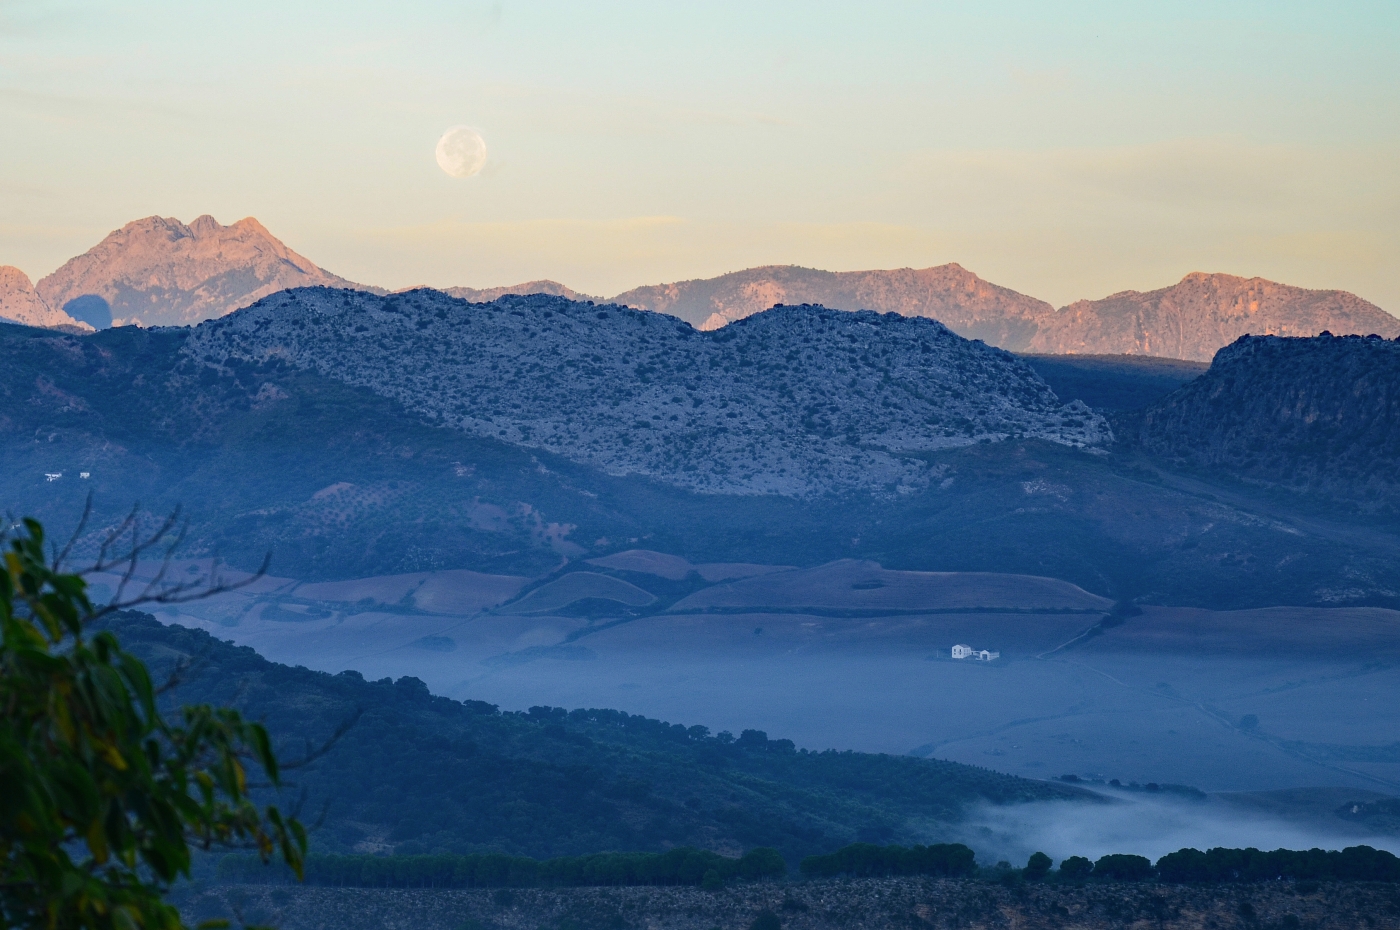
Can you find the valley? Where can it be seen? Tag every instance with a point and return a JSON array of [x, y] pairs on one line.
[[849, 655]]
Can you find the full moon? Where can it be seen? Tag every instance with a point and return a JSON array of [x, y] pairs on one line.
[[461, 152]]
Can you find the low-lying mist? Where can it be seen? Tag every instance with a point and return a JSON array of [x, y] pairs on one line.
[[1148, 825]]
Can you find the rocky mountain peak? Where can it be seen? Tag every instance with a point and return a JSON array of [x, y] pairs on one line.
[[21, 303], [795, 401], [159, 271]]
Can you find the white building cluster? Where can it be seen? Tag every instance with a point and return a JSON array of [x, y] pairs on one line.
[[962, 651]]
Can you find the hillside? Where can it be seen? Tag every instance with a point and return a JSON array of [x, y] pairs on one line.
[[419, 773], [20, 303], [957, 298], [160, 272], [1202, 313], [1319, 414], [795, 401]]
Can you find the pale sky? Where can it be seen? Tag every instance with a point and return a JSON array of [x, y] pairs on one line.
[[1066, 150]]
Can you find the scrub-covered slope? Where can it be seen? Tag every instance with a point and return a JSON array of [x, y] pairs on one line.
[[1317, 414], [795, 401]]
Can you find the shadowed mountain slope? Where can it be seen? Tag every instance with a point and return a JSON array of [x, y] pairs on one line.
[[794, 401], [419, 773], [957, 298], [160, 272], [1202, 313], [1114, 382], [1319, 414]]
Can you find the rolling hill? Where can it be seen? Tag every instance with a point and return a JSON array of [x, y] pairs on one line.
[[795, 401]]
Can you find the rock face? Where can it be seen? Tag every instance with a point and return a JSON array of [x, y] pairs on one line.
[[20, 303], [957, 298], [158, 271], [487, 294], [795, 401], [1312, 414], [1194, 318]]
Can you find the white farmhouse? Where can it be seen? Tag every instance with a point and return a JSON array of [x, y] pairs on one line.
[[963, 651]]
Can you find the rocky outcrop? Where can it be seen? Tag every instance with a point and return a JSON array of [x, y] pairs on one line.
[[795, 401], [957, 298], [1319, 414], [158, 271], [1194, 318], [20, 303]]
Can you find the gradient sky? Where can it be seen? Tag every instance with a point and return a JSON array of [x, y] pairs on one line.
[[1067, 149]]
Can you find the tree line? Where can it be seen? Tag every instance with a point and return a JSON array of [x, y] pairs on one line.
[[685, 866], [1353, 864]]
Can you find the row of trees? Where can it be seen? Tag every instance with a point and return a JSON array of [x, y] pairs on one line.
[[674, 867], [1353, 864]]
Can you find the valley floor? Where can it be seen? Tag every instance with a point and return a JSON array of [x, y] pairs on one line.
[[870, 904]]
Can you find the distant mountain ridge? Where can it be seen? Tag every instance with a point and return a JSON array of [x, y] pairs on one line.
[[957, 298], [487, 294], [159, 272], [1202, 313], [1189, 320], [795, 401]]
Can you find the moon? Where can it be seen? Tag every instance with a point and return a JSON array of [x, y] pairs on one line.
[[461, 152]]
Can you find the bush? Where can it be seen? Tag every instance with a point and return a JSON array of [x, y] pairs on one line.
[[1123, 868], [766, 920], [1076, 868]]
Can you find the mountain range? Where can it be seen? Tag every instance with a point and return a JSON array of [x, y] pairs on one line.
[[159, 271], [353, 434]]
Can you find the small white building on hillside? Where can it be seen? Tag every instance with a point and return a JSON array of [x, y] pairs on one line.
[[963, 651]]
